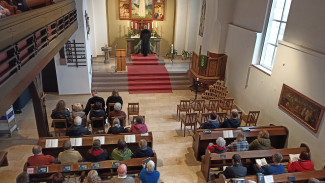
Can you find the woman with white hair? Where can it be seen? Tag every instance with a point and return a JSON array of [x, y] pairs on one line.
[[117, 112], [93, 177], [148, 173], [220, 146], [78, 111], [116, 128]]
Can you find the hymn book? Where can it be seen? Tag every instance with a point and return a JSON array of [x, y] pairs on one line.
[[76, 141], [261, 162], [294, 157], [129, 138], [51, 143], [100, 138], [228, 134]]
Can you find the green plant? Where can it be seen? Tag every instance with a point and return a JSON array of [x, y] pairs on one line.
[[170, 54], [185, 54], [130, 33]]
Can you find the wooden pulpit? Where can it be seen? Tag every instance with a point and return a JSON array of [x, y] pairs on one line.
[[215, 69], [120, 59]]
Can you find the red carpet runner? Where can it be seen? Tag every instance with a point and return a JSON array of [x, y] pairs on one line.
[[146, 76]]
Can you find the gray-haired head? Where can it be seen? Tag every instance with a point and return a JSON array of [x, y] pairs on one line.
[[277, 158], [313, 180], [116, 122], [221, 142], [234, 113], [150, 166], [37, 150], [117, 106], [77, 121]]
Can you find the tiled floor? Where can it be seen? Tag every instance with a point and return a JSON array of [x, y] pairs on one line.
[[176, 161]]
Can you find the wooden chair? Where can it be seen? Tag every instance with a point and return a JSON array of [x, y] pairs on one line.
[[226, 105], [221, 116], [184, 106], [251, 118], [198, 106], [121, 118], [109, 107], [3, 158], [135, 117], [133, 109], [60, 122], [189, 120], [212, 106], [98, 125], [204, 117]]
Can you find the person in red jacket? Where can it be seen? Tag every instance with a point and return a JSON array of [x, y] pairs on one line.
[[139, 126], [220, 146], [39, 158], [303, 164]]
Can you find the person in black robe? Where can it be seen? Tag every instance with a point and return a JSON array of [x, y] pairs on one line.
[[145, 42]]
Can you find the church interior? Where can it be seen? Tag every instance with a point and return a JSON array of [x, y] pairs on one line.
[[261, 59]]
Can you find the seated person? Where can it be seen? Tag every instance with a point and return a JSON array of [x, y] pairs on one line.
[[272, 169], [69, 155], [262, 142], [212, 123], [143, 151], [95, 98], [148, 173], [114, 98], [77, 129], [4, 12], [61, 112], [92, 177], [139, 126], [39, 159], [97, 112], [303, 164], [240, 144], [77, 111], [220, 146], [58, 178], [117, 128], [96, 153], [122, 176], [236, 170], [122, 152], [23, 177], [233, 122], [117, 112]]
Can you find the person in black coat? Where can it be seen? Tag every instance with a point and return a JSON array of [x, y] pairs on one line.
[[117, 128], [233, 122], [77, 129], [114, 98], [97, 112], [96, 153], [95, 98], [61, 112], [145, 42], [144, 151], [236, 170]]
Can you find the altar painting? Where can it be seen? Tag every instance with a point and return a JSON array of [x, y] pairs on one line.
[[142, 9]]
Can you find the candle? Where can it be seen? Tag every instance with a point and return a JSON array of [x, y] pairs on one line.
[[132, 25], [128, 25], [172, 49], [156, 25], [136, 26], [197, 79], [152, 26], [148, 25]]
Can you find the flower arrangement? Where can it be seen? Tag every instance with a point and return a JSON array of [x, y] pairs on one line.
[[130, 33]]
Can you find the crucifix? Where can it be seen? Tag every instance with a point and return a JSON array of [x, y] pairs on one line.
[[141, 22]]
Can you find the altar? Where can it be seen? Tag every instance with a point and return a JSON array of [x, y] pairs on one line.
[[133, 42]]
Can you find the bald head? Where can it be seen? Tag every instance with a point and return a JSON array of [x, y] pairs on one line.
[[122, 170], [37, 150]]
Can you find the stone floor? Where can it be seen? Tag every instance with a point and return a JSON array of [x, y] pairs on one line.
[[176, 161]]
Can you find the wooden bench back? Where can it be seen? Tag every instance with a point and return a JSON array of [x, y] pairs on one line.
[[278, 137], [87, 142]]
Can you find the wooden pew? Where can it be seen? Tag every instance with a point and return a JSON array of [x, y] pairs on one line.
[[87, 142], [106, 169], [214, 160], [278, 137], [3, 158], [299, 176]]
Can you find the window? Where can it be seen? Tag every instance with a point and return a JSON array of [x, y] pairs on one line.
[[274, 31]]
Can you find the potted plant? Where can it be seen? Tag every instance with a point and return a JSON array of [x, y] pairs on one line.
[[171, 53]]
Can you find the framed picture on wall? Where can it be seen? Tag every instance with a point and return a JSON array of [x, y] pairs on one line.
[[159, 11], [302, 108], [124, 9], [142, 9]]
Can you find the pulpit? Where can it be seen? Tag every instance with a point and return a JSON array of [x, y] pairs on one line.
[[215, 68], [120, 60]]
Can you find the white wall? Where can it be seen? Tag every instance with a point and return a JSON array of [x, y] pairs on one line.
[[98, 29], [194, 9], [295, 66], [76, 80], [181, 25]]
